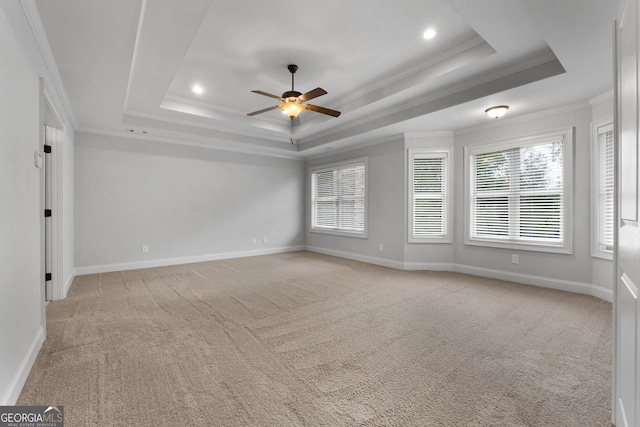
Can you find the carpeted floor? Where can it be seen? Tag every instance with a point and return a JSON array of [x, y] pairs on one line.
[[302, 339]]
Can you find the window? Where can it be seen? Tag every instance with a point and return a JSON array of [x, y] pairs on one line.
[[338, 198], [519, 193], [429, 182], [603, 190]]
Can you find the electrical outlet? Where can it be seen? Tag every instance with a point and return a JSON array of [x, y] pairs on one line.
[[254, 240], [380, 247], [145, 249], [515, 259], [265, 240]]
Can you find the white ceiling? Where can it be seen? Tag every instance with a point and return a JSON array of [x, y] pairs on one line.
[[128, 65]]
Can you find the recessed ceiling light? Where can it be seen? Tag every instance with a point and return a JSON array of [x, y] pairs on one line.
[[197, 89], [429, 34]]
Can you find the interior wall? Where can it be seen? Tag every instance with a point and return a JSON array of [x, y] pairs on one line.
[[572, 271], [385, 210], [577, 272], [22, 319], [32, 40], [185, 203]]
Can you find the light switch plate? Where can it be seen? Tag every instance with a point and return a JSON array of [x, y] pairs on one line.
[[38, 159]]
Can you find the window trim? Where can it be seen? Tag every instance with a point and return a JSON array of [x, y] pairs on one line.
[[596, 251], [567, 135], [447, 154], [335, 165]]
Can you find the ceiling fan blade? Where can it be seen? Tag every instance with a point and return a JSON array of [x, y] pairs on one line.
[[323, 110], [312, 94], [259, 92], [263, 111]]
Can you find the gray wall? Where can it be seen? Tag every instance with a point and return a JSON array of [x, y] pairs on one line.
[[386, 213], [183, 202], [388, 209], [575, 267], [21, 285]]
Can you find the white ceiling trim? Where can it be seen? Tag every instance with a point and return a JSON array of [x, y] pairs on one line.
[[200, 142], [605, 97], [136, 46], [186, 123], [454, 57], [339, 149], [226, 118], [176, 130], [487, 84], [57, 90]]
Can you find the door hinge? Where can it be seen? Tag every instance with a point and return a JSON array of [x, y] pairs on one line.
[[47, 277], [47, 148], [47, 213]]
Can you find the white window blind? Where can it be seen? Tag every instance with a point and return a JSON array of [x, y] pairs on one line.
[[517, 193], [606, 189], [428, 196], [338, 198]]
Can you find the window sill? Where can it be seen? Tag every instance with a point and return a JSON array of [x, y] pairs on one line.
[[520, 246], [430, 240], [603, 255], [340, 233]]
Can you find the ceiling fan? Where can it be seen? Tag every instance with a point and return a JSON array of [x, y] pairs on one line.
[[293, 101]]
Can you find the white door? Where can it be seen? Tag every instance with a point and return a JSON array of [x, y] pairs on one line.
[[627, 259]]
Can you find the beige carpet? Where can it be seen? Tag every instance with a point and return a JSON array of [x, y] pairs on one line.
[[301, 339]]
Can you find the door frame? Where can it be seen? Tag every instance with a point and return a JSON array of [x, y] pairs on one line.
[[51, 119]]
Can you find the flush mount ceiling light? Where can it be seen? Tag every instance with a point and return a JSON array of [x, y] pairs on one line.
[[497, 111]]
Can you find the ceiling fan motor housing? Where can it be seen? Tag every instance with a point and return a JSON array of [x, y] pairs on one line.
[[291, 94]]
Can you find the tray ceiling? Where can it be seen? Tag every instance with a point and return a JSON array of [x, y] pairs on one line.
[[129, 66]]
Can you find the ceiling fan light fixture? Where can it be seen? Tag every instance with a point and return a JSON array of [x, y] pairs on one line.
[[497, 111], [293, 102], [291, 108]]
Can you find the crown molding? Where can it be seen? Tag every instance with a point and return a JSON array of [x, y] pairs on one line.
[[429, 134], [199, 142], [331, 150], [602, 98], [56, 88]]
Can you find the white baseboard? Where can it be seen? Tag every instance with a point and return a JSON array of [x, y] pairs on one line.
[[106, 268], [545, 282], [67, 285], [602, 293], [399, 265], [430, 266], [15, 387], [528, 279]]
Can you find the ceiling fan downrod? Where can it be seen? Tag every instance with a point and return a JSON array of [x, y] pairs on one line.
[[292, 69]]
